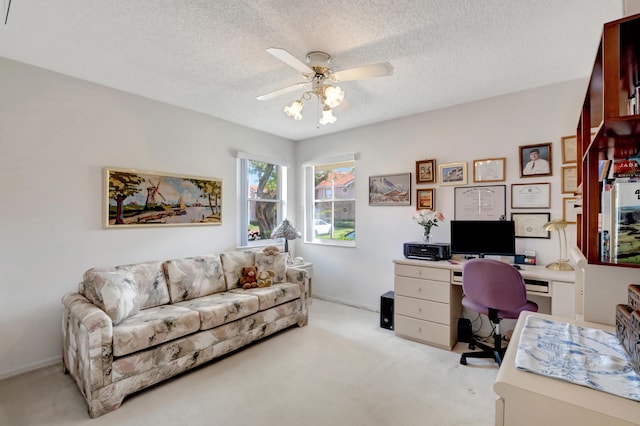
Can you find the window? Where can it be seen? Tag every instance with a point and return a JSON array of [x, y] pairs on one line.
[[330, 193], [262, 184]]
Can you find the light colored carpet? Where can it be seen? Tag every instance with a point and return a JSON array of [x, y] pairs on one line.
[[341, 369]]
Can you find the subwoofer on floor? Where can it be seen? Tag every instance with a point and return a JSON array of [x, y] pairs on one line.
[[386, 310]]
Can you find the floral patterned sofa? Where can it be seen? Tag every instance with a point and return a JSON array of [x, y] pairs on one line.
[[131, 326]]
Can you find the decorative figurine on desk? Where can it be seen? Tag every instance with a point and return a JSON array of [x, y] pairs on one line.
[[428, 219]]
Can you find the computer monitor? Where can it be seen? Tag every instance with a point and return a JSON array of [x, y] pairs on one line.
[[483, 237]]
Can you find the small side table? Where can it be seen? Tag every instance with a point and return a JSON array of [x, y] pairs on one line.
[[307, 266]]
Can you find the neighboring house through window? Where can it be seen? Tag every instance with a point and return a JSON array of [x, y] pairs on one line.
[[330, 201]]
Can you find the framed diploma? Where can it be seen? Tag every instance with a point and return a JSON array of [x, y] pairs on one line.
[[569, 149], [531, 196], [480, 202], [531, 225], [489, 170], [569, 179], [570, 210]]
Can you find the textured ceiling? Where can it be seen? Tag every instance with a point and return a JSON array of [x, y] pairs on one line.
[[209, 55]]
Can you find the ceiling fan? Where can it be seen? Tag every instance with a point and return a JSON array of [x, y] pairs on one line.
[[317, 75]]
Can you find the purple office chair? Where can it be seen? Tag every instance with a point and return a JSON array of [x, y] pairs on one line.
[[495, 289]]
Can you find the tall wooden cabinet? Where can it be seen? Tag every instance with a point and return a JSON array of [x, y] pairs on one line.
[[609, 127]]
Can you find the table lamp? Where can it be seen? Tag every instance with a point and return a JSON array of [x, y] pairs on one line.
[[287, 231], [561, 264]]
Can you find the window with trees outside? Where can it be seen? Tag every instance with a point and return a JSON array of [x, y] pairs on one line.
[[331, 202], [263, 198]]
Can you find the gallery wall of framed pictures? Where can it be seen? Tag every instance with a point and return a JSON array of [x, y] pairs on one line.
[[529, 203]]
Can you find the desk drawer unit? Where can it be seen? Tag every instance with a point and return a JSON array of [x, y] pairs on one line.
[[423, 308]]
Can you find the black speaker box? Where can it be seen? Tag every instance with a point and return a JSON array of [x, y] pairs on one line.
[[464, 330], [386, 310]]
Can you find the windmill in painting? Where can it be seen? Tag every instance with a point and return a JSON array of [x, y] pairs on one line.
[[146, 198]]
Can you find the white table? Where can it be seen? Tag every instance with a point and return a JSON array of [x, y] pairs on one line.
[[528, 399]]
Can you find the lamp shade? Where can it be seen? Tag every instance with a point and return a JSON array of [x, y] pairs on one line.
[[287, 231]]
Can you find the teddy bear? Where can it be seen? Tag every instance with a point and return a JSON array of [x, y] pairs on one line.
[[265, 278], [249, 277], [271, 250]]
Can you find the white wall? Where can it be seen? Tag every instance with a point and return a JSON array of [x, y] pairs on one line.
[[56, 135], [489, 128]]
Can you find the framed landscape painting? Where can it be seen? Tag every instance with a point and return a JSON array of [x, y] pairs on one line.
[[425, 171], [453, 174], [390, 190], [135, 198]]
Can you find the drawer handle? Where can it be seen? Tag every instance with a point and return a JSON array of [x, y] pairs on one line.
[[419, 330], [419, 289], [419, 309]]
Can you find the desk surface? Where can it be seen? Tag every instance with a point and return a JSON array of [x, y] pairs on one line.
[[535, 272], [576, 399]]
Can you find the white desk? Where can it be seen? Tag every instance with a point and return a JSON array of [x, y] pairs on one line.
[[428, 294], [527, 399]]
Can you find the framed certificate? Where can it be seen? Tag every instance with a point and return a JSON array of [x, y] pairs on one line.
[[569, 149], [531, 225], [570, 209], [489, 170], [569, 179], [531, 196], [480, 202]]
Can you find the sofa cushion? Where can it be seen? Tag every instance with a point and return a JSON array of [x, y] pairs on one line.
[[153, 326], [232, 264], [194, 277], [115, 293], [276, 263], [148, 277], [274, 295], [221, 308]]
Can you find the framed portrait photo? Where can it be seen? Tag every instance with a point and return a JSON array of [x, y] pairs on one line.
[[489, 170], [426, 199], [452, 174], [531, 225], [425, 171], [535, 160]]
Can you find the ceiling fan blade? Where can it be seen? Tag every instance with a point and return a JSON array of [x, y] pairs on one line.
[[282, 91], [290, 60], [383, 69]]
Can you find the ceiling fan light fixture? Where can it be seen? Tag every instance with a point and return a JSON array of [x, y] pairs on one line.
[[294, 110], [327, 116], [333, 96]]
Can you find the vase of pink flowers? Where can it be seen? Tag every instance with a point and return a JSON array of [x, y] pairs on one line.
[[428, 219]]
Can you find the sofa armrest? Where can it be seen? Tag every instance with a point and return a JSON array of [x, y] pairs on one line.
[[87, 333], [298, 276]]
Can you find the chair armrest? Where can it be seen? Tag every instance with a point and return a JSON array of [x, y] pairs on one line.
[[87, 343]]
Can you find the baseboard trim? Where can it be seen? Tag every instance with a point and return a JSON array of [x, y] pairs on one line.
[[344, 302], [6, 375]]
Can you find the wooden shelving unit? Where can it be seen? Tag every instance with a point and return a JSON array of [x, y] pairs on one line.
[[607, 129]]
